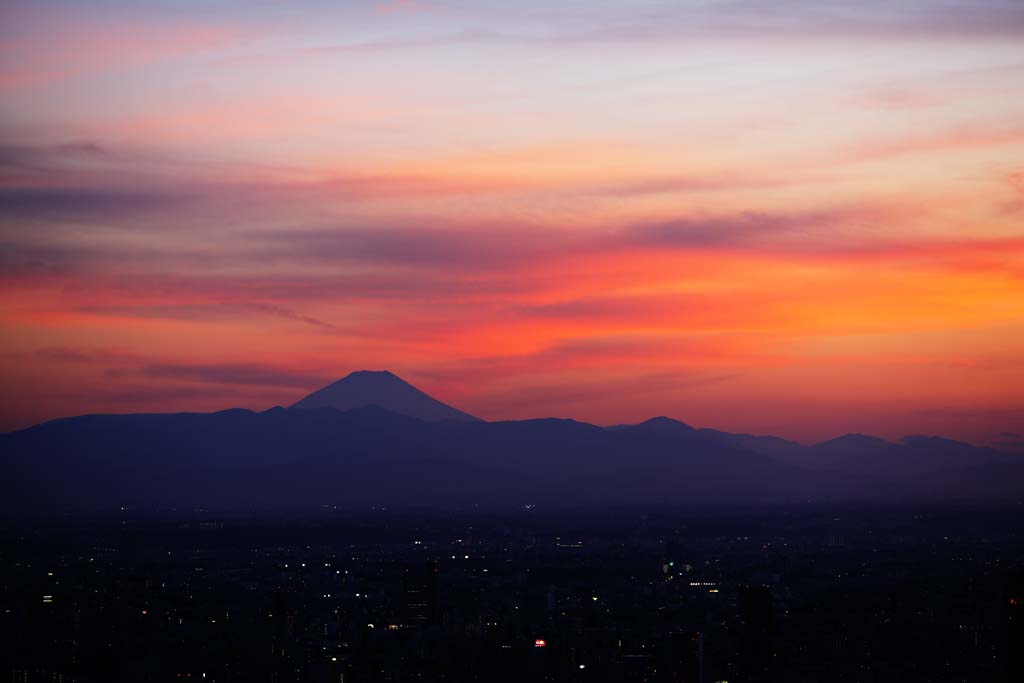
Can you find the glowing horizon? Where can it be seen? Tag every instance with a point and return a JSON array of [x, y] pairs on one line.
[[797, 218]]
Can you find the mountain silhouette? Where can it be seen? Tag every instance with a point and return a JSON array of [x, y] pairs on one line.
[[384, 389], [372, 439]]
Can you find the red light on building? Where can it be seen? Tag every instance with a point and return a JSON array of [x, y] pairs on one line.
[[540, 643]]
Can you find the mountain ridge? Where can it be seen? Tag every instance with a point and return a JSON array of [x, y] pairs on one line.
[[326, 397], [371, 454]]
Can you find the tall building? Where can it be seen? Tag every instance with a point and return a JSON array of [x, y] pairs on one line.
[[419, 594], [1013, 604], [686, 657], [757, 663]]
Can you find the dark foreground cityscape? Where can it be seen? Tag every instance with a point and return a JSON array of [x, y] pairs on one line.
[[787, 593]]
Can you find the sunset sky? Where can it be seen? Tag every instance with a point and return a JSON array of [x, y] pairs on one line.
[[791, 217]]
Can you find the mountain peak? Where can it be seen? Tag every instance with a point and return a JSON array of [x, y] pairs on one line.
[[662, 423], [384, 389], [371, 373]]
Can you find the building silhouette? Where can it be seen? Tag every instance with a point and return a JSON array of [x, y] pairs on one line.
[[686, 657], [757, 660], [419, 594], [1013, 604]]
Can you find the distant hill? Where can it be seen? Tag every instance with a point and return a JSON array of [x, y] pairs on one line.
[[384, 389], [344, 448]]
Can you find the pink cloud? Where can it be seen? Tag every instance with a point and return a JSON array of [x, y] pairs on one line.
[[56, 48], [967, 136]]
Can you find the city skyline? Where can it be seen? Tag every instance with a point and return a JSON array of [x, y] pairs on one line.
[[802, 220]]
